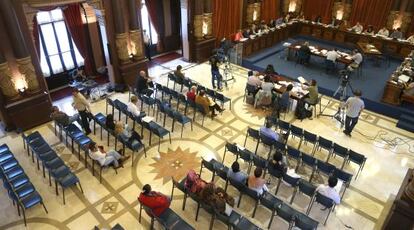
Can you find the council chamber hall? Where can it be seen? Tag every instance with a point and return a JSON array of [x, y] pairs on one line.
[[207, 114]]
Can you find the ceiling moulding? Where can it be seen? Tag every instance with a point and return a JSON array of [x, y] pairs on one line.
[[43, 3]]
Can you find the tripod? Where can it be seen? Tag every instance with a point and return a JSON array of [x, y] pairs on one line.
[[342, 91], [228, 72]]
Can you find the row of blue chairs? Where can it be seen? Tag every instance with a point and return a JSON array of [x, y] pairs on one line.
[[152, 127], [19, 188], [235, 220], [175, 115], [303, 160], [169, 219], [320, 143], [56, 167], [267, 200]]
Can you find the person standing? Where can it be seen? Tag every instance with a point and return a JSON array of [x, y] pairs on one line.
[[354, 106], [215, 73], [82, 106], [147, 45]]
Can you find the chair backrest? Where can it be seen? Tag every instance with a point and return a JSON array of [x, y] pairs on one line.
[[171, 76], [340, 150], [296, 130], [325, 167], [280, 146], [251, 88], [293, 181], [238, 185], [246, 155], [211, 93], [274, 120], [308, 160], [342, 175], [252, 193], [284, 125], [356, 157], [232, 147], [293, 152], [324, 200], [109, 101], [254, 133], [208, 165], [310, 137], [304, 222], [286, 212], [266, 140], [178, 185], [275, 172], [220, 96], [307, 188], [259, 161], [325, 143]]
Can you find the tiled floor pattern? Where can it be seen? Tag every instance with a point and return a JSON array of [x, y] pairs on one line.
[[114, 201]]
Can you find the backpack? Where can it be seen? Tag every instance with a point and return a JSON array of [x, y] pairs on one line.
[[193, 182], [301, 112]]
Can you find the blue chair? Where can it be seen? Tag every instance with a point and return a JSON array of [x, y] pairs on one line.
[[250, 89], [150, 102], [324, 168], [287, 213], [109, 102], [255, 134], [294, 154], [305, 188], [326, 144], [324, 201], [340, 151], [65, 178], [259, 161], [284, 126], [304, 222], [267, 141], [345, 177], [358, 159], [245, 224], [211, 93], [171, 77], [202, 111], [223, 99], [181, 186], [181, 99], [182, 119], [160, 132], [309, 161], [30, 201], [247, 156], [232, 148], [292, 181], [231, 220], [272, 203], [297, 132], [310, 138], [208, 165]]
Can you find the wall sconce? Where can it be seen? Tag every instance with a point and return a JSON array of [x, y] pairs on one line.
[[340, 14], [204, 27], [397, 22], [292, 6], [20, 85], [22, 91]]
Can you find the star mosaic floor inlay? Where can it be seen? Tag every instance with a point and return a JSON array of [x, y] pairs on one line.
[[114, 201]]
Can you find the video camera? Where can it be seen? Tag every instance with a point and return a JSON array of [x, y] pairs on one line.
[[344, 74]]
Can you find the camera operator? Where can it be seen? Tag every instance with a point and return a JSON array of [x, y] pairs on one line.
[[354, 106], [215, 73]]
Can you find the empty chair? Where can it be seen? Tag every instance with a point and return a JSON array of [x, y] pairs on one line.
[[305, 188], [270, 202], [250, 89], [200, 109], [304, 222], [345, 177], [181, 186], [340, 151], [284, 126], [324, 201], [309, 161], [223, 99], [232, 148], [287, 213], [292, 181], [358, 159], [211, 93], [245, 224], [267, 141], [254, 133], [326, 144], [310, 138], [208, 165], [294, 154], [182, 119], [296, 132], [160, 132], [324, 168], [230, 221], [247, 156], [109, 102], [171, 77]]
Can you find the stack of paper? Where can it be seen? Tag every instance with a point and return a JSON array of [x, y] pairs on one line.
[[147, 119], [301, 80]]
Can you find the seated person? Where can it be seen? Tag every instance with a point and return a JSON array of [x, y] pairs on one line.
[[132, 106], [143, 83], [191, 95], [109, 122], [238, 36], [304, 53], [246, 33], [301, 16], [254, 30], [267, 131], [383, 32], [279, 162], [369, 30], [284, 100], [263, 26], [179, 74], [256, 182], [334, 22], [98, 153], [357, 58], [254, 79], [235, 173], [343, 25], [397, 34], [267, 85], [272, 24], [126, 133], [270, 70], [411, 39], [280, 21], [156, 201], [312, 97], [329, 190], [62, 118], [318, 19], [332, 55], [358, 28], [217, 198], [287, 18], [207, 104], [193, 183]]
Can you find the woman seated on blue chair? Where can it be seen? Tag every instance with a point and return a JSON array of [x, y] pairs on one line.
[[126, 133], [104, 158], [285, 98]]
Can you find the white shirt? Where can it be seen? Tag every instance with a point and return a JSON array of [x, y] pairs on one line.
[[357, 58], [132, 108], [329, 192], [98, 156], [383, 32], [332, 55], [146, 38], [357, 28], [267, 87], [253, 80], [354, 106]]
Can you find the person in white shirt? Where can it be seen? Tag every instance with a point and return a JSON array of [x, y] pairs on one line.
[[332, 55], [383, 32], [132, 106], [98, 153], [357, 58], [82, 106], [358, 28], [411, 39], [147, 44], [254, 79], [329, 190]]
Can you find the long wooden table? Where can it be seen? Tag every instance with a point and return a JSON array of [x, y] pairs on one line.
[[394, 47], [320, 52]]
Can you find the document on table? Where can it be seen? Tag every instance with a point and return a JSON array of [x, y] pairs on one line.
[[301, 80], [277, 86], [404, 78]]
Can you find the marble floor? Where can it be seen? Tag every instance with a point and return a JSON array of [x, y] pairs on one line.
[[364, 205]]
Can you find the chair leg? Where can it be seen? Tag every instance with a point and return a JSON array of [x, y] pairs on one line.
[[293, 196], [63, 195], [80, 186], [326, 219], [271, 219], [310, 206], [238, 203], [198, 210], [278, 185], [255, 208]]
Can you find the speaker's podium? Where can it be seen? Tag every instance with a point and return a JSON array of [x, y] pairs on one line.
[[236, 54]]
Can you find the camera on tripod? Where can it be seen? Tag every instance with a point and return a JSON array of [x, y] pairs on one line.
[[344, 77]]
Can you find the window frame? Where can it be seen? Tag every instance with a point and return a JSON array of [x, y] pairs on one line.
[[150, 25]]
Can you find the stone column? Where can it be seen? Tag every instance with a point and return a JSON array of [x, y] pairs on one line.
[[23, 59], [121, 36], [135, 31], [6, 82], [208, 17], [198, 19]]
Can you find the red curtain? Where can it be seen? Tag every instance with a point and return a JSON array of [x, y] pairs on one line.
[[152, 7], [315, 8], [270, 10], [226, 18], [370, 12], [74, 22]]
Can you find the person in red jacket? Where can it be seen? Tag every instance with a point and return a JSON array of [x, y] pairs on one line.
[[156, 201]]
